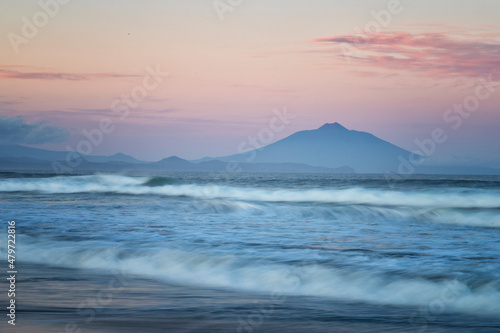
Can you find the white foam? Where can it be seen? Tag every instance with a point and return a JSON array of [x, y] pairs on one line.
[[452, 198], [231, 272]]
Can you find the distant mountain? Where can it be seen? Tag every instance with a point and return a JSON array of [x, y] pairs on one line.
[[168, 164], [114, 158], [39, 154], [331, 146], [18, 151], [175, 163], [16, 157]]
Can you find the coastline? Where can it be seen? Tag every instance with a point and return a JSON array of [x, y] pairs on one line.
[[54, 299]]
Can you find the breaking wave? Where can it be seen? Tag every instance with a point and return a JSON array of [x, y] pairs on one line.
[[444, 198], [240, 273]]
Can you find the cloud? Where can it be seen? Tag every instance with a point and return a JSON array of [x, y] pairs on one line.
[[261, 88], [7, 102], [15, 130], [432, 54], [137, 113], [6, 72]]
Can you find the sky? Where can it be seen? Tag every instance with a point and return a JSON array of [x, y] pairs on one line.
[[196, 78]]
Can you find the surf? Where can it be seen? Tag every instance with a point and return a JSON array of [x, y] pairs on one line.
[[316, 278], [442, 198]]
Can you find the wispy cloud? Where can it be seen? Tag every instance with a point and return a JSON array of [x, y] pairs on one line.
[[136, 113], [432, 54], [15, 130], [261, 88], [93, 115], [8, 102], [27, 73]]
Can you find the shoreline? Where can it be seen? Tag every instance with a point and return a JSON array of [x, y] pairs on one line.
[[55, 299]]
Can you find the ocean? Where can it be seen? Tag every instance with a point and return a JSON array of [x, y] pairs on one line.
[[200, 252]]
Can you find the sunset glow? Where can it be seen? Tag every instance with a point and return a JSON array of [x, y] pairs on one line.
[[390, 68]]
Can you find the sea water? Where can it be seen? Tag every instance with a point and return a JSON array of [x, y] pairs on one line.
[[429, 245]]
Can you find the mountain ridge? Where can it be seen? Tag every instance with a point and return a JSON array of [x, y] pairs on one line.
[[331, 145], [330, 148], [56, 155]]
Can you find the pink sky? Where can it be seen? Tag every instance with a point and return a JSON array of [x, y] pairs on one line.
[[226, 76]]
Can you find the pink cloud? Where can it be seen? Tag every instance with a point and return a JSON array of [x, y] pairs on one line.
[[6, 72], [433, 54]]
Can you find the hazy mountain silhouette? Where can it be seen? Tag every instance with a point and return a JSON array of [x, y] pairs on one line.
[[21, 158], [168, 164], [331, 146], [17, 151]]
